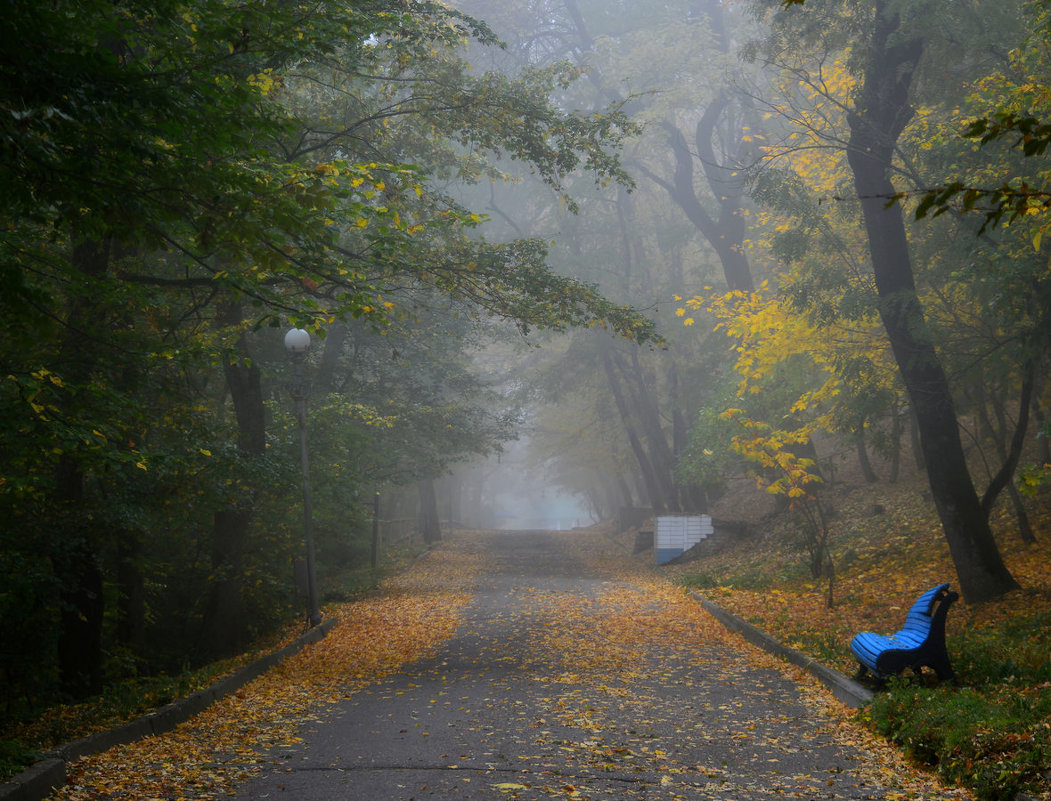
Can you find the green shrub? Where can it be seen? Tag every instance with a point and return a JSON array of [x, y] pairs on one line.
[[700, 581], [995, 741], [14, 757]]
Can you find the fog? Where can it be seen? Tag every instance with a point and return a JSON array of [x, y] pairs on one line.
[[523, 498]]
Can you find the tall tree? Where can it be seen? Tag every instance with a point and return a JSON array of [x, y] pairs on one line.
[[892, 45]]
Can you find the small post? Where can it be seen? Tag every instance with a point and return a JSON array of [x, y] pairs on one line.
[[375, 529]]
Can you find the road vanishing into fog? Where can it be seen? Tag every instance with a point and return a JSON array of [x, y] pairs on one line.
[[567, 683]]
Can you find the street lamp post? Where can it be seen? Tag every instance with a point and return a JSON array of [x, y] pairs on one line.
[[297, 342]]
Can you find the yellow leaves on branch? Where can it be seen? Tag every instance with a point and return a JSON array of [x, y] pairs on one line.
[[774, 450], [817, 97], [767, 331], [266, 82]]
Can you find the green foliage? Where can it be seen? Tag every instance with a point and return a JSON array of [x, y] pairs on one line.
[[1019, 651], [749, 579], [21, 743], [126, 697], [27, 609], [15, 757], [701, 581], [996, 742], [180, 179], [710, 456], [1009, 202]]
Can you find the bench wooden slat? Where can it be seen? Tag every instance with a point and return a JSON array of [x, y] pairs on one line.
[[920, 643]]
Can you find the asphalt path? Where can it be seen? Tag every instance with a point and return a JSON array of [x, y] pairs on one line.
[[564, 682]]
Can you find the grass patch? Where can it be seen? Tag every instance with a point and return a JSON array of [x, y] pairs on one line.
[[15, 757], [996, 741]]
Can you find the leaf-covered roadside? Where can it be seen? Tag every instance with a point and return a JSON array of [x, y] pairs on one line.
[[991, 732], [603, 660], [207, 755], [585, 656], [123, 701], [588, 661]]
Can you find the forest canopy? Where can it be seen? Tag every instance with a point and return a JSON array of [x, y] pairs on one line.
[[182, 182]]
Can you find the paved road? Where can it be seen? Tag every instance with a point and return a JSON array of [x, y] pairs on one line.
[[565, 683]]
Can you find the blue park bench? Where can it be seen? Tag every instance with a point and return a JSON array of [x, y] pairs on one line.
[[921, 643]]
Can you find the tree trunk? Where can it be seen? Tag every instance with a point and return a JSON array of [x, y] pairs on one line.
[[645, 403], [914, 441], [131, 603], [1010, 456], [623, 496], [880, 116], [78, 567], [653, 486], [1025, 528], [80, 644], [725, 234], [863, 458], [1044, 441], [724, 172], [224, 622], [223, 626], [430, 524], [328, 378], [693, 497], [895, 445]]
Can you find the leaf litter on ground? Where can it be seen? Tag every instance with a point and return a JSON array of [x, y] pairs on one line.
[[591, 655]]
